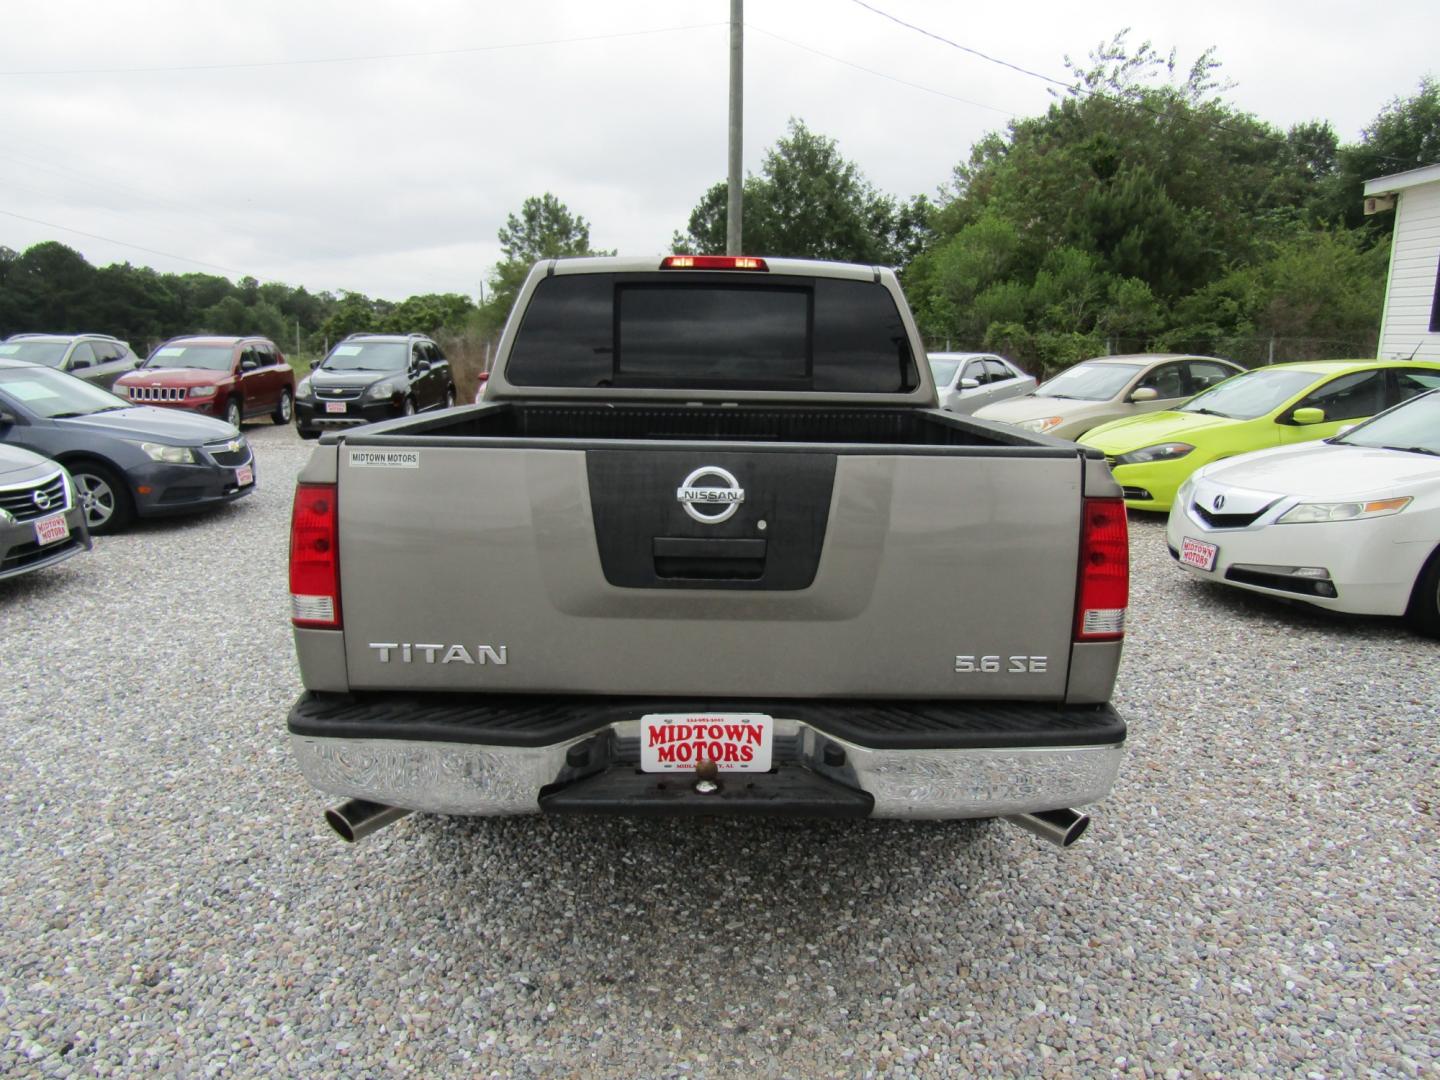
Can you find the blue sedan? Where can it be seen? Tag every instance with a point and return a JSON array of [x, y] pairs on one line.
[[126, 461]]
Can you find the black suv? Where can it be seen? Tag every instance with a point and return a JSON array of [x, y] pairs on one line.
[[96, 358], [369, 377]]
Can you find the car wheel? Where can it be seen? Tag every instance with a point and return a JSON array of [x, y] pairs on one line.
[[408, 409], [307, 433], [284, 408], [1424, 611], [450, 398], [232, 413], [103, 496]]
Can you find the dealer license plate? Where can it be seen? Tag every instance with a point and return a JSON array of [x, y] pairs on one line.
[[334, 406], [678, 742], [244, 476], [50, 530], [1198, 554]]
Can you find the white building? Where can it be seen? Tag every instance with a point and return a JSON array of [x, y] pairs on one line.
[[1410, 324]]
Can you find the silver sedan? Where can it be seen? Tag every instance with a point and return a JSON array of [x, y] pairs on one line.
[[966, 381]]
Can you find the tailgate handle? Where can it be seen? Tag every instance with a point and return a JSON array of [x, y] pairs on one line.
[[695, 558]]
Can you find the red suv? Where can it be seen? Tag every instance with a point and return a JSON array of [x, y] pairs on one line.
[[230, 378]]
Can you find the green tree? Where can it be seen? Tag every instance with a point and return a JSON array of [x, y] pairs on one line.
[[200, 291], [1139, 187], [50, 287], [1404, 135], [944, 283], [545, 229], [353, 313], [429, 314], [11, 309], [135, 303], [810, 202], [1318, 292]]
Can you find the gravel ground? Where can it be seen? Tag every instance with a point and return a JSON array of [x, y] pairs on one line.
[[1257, 898]]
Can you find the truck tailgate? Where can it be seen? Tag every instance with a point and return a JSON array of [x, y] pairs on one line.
[[480, 568], [871, 571]]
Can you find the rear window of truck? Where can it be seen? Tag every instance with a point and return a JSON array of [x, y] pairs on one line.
[[712, 332]]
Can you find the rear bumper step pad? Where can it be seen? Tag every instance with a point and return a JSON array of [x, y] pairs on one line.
[[788, 791], [520, 720]]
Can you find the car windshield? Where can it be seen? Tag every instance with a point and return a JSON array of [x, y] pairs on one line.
[[207, 357], [1089, 382], [1251, 394], [49, 353], [368, 356], [1413, 426], [52, 394], [944, 371]]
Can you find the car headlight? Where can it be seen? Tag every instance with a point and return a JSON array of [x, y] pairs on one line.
[[302, 388], [174, 455], [1308, 513], [1169, 451], [383, 389], [1041, 424], [202, 391]]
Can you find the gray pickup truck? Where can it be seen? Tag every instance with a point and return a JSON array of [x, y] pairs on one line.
[[708, 546]]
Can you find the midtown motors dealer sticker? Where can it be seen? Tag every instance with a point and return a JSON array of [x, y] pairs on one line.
[[679, 742], [385, 459]]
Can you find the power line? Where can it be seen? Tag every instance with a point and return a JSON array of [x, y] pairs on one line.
[[878, 74], [964, 48], [122, 243], [1081, 91], [109, 185], [365, 58]]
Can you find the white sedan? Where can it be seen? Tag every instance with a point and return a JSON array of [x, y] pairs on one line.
[[1351, 524]]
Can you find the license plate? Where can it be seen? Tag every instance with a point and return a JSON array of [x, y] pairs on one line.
[[334, 406], [1198, 554], [244, 476], [678, 742], [51, 529]]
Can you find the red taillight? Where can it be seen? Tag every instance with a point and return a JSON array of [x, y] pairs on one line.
[[713, 262], [1104, 589], [314, 558]]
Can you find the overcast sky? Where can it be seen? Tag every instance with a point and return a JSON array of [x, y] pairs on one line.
[[378, 146]]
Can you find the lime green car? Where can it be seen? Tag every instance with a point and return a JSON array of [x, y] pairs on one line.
[[1151, 455]]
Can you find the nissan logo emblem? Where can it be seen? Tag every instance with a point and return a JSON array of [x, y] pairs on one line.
[[1219, 501], [724, 501], [41, 499]]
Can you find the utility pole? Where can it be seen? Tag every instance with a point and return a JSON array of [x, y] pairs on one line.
[[737, 114]]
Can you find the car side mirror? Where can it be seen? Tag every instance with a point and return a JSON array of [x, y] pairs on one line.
[[969, 384], [78, 363], [1308, 416], [421, 365], [1144, 393], [6, 418], [248, 364], [314, 364]]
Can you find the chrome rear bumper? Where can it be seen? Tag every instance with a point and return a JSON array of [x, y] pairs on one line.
[[458, 778]]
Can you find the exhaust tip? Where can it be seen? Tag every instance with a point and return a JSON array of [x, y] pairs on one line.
[[1060, 827], [357, 819]]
